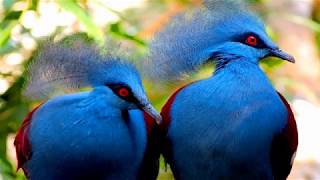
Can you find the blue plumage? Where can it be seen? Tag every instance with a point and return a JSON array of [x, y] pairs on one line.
[[212, 31], [97, 134], [227, 126], [81, 136], [223, 128], [62, 67]]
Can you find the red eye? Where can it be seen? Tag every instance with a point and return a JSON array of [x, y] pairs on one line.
[[123, 92], [252, 41]]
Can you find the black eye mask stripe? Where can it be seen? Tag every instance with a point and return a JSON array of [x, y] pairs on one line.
[[115, 88], [243, 37]]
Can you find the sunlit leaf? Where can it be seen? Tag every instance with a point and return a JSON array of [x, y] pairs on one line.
[[7, 48], [33, 4], [12, 15], [116, 29], [92, 29], [6, 32]]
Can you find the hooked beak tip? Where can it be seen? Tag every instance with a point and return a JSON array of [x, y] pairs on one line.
[[151, 111], [282, 55], [290, 59], [158, 120]]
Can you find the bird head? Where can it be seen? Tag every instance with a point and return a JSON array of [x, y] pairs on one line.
[[242, 35], [220, 31], [60, 67], [120, 82]]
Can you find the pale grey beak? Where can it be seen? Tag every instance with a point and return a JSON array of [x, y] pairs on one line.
[[149, 109], [281, 54]]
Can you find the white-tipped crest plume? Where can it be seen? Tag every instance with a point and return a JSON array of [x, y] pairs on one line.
[[59, 68], [186, 43]]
